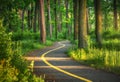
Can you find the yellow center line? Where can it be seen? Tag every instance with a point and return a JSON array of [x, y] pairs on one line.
[[61, 70]]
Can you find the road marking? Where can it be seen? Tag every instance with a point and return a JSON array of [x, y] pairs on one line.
[[61, 70]]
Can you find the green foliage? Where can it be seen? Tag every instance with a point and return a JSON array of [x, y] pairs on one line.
[[111, 33], [107, 57], [13, 67], [19, 62], [7, 72], [13, 21], [26, 35], [28, 45], [5, 43], [99, 58], [29, 41]]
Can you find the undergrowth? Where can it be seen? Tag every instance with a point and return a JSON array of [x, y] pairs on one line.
[[13, 67], [107, 57]]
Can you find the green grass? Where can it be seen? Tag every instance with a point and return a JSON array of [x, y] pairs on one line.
[[106, 58], [27, 41], [98, 58]]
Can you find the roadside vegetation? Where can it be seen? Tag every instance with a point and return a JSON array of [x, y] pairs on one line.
[[13, 67], [27, 41], [106, 58], [26, 25]]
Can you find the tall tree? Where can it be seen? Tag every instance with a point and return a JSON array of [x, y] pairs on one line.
[[35, 15], [87, 20], [75, 8], [115, 14], [29, 22], [82, 33], [67, 17], [58, 15], [42, 21], [98, 24], [49, 18], [23, 12], [56, 28]]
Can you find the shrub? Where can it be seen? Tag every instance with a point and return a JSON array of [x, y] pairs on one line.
[[7, 72], [5, 43]]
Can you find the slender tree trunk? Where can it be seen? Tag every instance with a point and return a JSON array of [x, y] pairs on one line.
[[56, 28], [23, 12], [32, 14], [35, 17], [115, 14], [58, 15], [98, 24], [75, 8], [49, 18], [87, 20], [38, 11], [29, 22], [67, 18], [82, 35], [42, 21]]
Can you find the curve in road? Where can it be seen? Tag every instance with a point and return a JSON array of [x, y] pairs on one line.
[[61, 70]]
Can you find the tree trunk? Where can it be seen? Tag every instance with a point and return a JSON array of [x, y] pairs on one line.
[[23, 12], [115, 14], [32, 14], [49, 18], [55, 10], [87, 20], [98, 24], [29, 22], [82, 35], [75, 8], [58, 15], [67, 18], [35, 17], [38, 15], [42, 21]]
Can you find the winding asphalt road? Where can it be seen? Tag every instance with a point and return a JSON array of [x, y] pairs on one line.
[[55, 66]]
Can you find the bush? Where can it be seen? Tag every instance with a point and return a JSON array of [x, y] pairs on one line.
[[13, 68], [5, 43], [26, 35], [7, 72]]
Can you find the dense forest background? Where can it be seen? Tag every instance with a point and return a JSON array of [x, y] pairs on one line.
[[92, 26]]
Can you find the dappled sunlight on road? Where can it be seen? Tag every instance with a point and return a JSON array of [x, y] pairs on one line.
[[47, 58], [65, 67]]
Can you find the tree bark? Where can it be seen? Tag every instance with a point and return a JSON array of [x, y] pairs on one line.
[[75, 8], [115, 14], [42, 21], [32, 15], [35, 17], [98, 24], [67, 18], [56, 28], [23, 12], [82, 35], [29, 22], [87, 20], [58, 15], [49, 18]]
